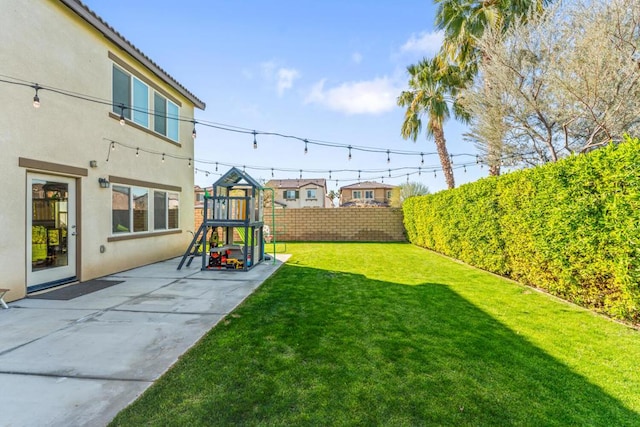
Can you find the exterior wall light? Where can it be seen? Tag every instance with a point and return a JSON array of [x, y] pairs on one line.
[[104, 183]]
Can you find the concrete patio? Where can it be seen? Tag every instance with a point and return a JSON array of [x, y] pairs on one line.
[[81, 361]]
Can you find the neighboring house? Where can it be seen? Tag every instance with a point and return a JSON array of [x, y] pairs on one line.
[[199, 194], [84, 195], [368, 193], [300, 193]]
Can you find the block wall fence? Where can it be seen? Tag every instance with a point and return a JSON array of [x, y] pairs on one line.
[[333, 225]]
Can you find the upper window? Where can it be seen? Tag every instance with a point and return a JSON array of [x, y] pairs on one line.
[[357, 194], [311, 193], [368, 194], [388, 194], [290, 194], [131, 97]]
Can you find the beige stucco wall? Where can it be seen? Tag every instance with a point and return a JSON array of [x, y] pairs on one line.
[[44, 42]]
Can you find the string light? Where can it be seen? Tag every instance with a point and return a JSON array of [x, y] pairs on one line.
[[137, 151], [272, 173], [349, 158], [162, 157], [194, 133], [36, 98], [407, 178], [113, 146], [189, 161], [434, 174], [419, 171], [221, 126], [388, 156], [389, 173], [216, 166], [306, 149], [255, 143], [300, 173], [465, 168], [329, 174]]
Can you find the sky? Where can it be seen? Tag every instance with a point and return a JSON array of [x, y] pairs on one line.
[[324, 71]]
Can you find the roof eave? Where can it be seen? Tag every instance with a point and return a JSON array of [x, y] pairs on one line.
[[85, 13]]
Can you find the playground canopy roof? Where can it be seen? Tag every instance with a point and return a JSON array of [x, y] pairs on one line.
[[235, 176]]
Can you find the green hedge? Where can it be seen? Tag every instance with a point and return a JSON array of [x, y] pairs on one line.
[[571, 227]]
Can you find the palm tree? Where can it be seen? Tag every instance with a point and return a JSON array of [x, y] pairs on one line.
[[433, 85], [464, 22]]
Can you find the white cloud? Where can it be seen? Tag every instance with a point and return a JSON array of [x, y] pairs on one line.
[[364, 97], [424, 43], [283, 77], [286, 76], [356, 57]]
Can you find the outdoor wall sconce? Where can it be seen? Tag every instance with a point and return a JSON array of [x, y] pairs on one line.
[[103, 182], [93, 163]]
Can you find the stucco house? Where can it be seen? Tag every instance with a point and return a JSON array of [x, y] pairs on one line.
[[300, 193], [368, 193], [97, 147]]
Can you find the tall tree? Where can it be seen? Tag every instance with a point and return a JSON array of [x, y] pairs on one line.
[[559, 91], [433, 86], [406, 190], [464, 23]]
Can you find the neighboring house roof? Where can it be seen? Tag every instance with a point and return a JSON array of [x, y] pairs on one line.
[[111, 34], [367, 185], [295, 183]]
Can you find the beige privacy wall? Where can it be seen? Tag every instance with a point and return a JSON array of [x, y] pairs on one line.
[[334, 225]]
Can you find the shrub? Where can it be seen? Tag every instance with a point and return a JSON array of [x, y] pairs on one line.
[[571, 227]]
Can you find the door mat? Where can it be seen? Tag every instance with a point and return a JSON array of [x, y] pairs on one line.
[[74, 291]]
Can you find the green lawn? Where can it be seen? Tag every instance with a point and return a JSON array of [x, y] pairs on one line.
[[391, 334]]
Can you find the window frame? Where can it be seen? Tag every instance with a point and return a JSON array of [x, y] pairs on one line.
[[368, 193], [356, 194], [310, 195], [166, 122], [287, 194], [171, 201]]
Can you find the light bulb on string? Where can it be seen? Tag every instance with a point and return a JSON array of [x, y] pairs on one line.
[[349, 158], [434, 174], [216, 166], [194, 133], [300, 173], [36, 98], [189, 161], [465, 168], [422, 158], [244, 170], [206, 174], [336, 182], [388, 156], [137, 151], [271, 172], [329, 174], [451, 157], [113, 145], [407, 178], [162, 157], [358, 176], [255, 142], [122, 121], [419, 171], [306, 149]]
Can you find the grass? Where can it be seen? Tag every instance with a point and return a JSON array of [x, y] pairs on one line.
[[391, 334]]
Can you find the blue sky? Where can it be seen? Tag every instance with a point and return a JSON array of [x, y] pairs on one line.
[[328, 71]]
